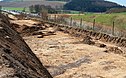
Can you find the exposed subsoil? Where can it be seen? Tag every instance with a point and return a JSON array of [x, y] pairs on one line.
[[66, 56], [16, 58]]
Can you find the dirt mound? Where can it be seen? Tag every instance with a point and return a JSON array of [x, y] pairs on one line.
[[25, 30], [16, 58], [38, 29], [115, 50], [88, 40]]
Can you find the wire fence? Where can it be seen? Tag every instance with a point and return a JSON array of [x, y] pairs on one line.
[[111, 30]]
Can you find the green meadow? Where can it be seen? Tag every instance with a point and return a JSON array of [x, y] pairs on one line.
[[15, 8], [104, 19]]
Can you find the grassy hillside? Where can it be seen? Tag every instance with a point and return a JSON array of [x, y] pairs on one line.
[[105, 19], [23, 0], [36, 0], [91, 5], [53, 4]]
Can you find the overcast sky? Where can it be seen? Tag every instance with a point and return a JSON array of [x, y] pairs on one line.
[[122, 2]]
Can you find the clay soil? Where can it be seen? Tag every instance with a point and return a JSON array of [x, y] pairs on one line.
[[66, 56]]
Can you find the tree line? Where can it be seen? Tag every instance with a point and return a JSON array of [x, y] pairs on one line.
[[40, 8], [91, 5]]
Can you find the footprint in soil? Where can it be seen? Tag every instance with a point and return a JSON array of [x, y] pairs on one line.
[[107, 68], [106, 62], [77, 75]]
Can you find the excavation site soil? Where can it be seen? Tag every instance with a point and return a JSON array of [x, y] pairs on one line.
[[65, 55]]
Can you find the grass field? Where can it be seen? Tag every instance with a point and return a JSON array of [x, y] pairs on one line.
[[105, 19], [15, 8]]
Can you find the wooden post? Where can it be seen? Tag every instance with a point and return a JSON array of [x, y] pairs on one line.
[[71, 19], [80, 22], [0, 8], [55, 18], [93, 24], [47, 18], [113, 28]]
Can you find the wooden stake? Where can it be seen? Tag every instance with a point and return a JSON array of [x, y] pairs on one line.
[[113, 28], [93, 24]]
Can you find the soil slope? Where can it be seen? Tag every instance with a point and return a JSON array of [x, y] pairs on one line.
[[16, 58]]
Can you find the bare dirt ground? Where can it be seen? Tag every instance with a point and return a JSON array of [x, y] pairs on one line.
[[68, 57], [24, 22]]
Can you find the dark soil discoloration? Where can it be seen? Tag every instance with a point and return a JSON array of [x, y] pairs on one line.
[[62, 68]]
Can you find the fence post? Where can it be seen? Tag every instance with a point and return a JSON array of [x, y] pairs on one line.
[[113, 27], [94, 24], [55, 18], [71, 19], [80, 22], [48, 17], [0, 8]]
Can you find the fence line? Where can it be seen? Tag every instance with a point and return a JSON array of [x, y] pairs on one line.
[[80, 23]]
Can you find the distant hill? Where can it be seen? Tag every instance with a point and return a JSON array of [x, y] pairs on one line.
[[21, 0], [116, 10], [53, 4], [91, 5], [33, 0], [59, 0]]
